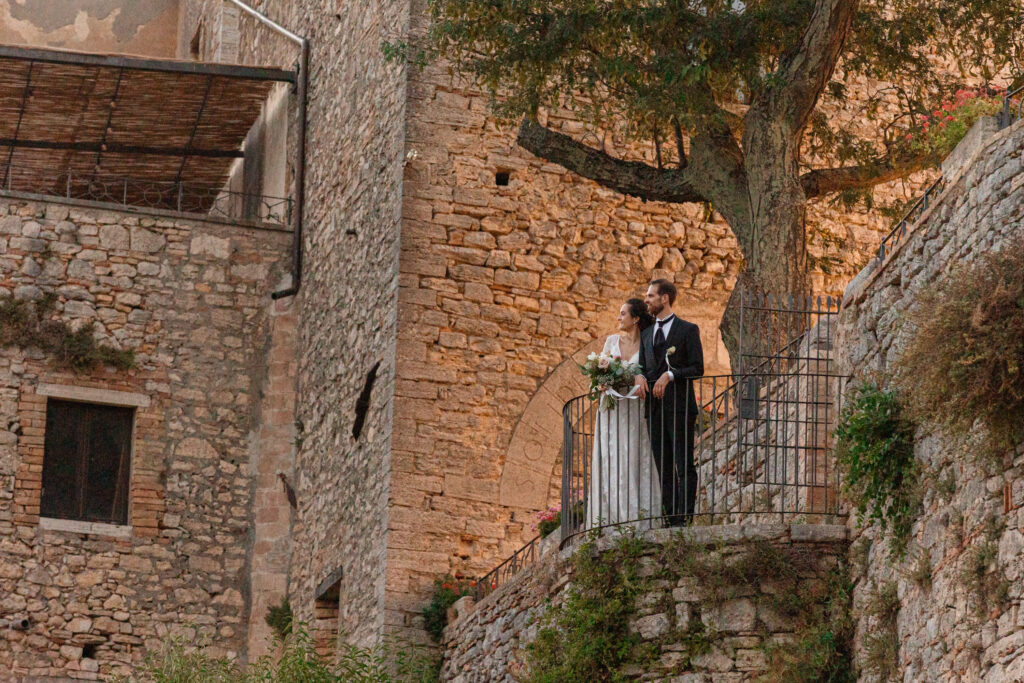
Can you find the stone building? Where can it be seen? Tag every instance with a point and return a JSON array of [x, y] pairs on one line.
[[407, 398]]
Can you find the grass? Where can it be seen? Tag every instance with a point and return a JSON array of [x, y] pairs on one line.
[[294, 662], [882, 645]]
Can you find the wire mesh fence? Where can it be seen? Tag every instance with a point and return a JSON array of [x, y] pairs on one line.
[[182, 197]]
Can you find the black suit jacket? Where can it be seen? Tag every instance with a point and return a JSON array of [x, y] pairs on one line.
[[687, 364]]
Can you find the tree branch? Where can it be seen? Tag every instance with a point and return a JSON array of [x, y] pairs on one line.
[[824, 181], [805, 71], [628, 177]]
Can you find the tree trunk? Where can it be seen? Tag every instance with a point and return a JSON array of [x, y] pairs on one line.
[[774, 244]]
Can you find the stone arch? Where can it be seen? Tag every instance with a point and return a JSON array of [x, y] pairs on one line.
[[534, 450]]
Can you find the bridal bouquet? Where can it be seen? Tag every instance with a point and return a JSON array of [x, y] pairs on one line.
[[608, 372]]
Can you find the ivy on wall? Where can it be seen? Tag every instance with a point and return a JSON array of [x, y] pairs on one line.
[[587, 637], [875, 455], [27, 324]]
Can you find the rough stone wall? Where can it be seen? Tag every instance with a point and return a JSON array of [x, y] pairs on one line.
[[143, 27], [190, 298], [945, 632], [488, 641], [271, 463], [500, 287], [347, 307]]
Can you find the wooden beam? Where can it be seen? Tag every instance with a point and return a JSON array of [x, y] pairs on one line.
[[111, 148], [252, 73]]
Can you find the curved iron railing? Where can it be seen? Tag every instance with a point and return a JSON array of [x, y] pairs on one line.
[[758, 457]]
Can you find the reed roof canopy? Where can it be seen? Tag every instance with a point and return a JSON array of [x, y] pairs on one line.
[[69, 120]]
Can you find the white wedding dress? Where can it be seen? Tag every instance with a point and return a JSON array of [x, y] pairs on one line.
[[624, 485]]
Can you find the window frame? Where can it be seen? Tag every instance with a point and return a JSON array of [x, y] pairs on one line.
[[100, 397]]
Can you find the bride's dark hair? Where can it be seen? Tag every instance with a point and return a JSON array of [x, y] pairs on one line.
[[638, 309]]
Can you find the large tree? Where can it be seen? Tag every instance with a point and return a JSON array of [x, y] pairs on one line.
[[737, 98]]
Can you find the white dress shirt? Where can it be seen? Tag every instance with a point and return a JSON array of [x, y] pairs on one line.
[[665, 327]]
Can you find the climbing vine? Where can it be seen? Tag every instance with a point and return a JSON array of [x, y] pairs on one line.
[[875, 454]]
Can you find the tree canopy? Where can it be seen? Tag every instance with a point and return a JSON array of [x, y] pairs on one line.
[[737, 98]]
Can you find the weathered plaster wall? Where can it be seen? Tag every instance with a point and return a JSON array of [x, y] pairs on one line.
[[347, 308], [141, 27], [191, 299], [945, 632], [488, 641]]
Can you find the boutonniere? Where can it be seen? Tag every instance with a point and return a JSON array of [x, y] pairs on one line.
[[668, 352]]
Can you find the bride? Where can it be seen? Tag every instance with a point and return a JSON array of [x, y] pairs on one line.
[[623, 482]]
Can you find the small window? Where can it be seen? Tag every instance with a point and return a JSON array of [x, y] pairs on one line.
[[501, 178], [86, 462], [326, 612]]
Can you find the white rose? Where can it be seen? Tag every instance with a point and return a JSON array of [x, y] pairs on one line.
[[592, 356], [604, 362], [671, 350]]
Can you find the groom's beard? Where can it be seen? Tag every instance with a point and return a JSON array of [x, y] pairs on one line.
[[654, 310]]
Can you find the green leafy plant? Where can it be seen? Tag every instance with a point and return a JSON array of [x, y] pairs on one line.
[[882, 645], [588, 637], [279, 618], [982, 576], [921, 570], [446, 592], [548, 520], [942, 129], [27, 324], [295, 661], [875, 454], [820, 651], [965, 361]]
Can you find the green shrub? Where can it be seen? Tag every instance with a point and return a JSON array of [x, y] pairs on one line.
[[882, 644], [446, 592], [279, 618], [294, 662], [875, 455], [588, 638], [26, 324], [965, 360]]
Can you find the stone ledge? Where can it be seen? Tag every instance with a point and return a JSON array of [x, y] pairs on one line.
[[93, 395], [79, 527]]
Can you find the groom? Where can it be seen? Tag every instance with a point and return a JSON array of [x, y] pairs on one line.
[[670, 358]]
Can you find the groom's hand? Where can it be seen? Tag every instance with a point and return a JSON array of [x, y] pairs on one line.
[[641, 386], [660, 385]]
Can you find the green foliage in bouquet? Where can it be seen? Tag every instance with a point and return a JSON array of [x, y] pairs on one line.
[[608, 372]]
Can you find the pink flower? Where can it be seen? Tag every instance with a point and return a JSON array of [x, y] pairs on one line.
[[604, 362]]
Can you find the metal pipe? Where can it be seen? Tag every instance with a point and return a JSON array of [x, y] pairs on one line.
[[300, 165], [300, 178]]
